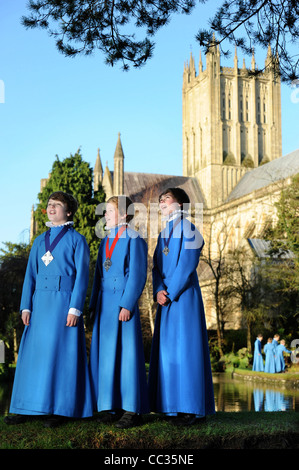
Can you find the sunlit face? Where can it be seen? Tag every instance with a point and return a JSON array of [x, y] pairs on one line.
[[57, 212], [168, 204], [112, 215]]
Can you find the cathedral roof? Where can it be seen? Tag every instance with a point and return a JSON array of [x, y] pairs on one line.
[[140, 186], [269, 173]]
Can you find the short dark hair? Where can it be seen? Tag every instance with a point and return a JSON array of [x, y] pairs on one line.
[[178, 193], [67, 199]]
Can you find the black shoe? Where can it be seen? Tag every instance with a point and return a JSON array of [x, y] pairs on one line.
[[188, 419], [128, 420], [109, 418], [17, 419], [54, 421]]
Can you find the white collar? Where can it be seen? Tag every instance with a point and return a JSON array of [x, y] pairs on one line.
[[173, 215], [51, 225], [115, 226]]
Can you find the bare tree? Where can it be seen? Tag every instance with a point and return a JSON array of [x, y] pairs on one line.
[[215, 255]]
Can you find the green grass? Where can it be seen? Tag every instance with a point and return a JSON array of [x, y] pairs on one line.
[[224, 430]]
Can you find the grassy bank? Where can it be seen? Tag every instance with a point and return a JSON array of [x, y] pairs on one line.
[[288, 379], [243, 430]]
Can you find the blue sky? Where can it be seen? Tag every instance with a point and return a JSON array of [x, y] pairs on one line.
[[53, 105]]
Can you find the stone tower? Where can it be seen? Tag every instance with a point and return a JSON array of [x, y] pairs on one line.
[[231, 122], [97, 173], [118, 172]]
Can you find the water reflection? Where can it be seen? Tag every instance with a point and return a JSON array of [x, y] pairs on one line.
[[230, 395], [237, 395]]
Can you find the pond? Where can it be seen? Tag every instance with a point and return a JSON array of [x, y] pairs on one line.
[[230, 395], [233, 394]]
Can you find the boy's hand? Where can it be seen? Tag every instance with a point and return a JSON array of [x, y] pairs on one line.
[[72, 320], [162, 298], [124, 315], [26, 317]]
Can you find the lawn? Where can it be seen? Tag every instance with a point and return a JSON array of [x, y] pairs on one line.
[[242, 430]]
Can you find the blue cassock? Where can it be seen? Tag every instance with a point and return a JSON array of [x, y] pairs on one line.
[[258, 363], [180, 378], [279, 359], [269, 350], [52, 372], [116, 356]]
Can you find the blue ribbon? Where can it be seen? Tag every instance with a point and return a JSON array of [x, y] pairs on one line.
[[166, 242], [50, 247]]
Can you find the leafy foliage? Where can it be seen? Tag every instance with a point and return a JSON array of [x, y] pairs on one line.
[[251, 23], [73, 175], [13, 262], [85, 25], [82, 26]]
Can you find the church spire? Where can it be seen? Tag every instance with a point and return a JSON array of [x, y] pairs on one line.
[[253, 60], [269, 58], [200, 67], [97, 173], [236, 60], [107, 182], [118, 174]]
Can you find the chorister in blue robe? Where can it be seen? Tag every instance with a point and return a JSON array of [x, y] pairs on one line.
[[52, 371], [258, 363], [117, 363], [279, 359], [180, 378], [269, 350]]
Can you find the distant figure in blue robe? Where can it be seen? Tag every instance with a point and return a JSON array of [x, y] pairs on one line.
[[279, 358], [117, 362], [275, 342], [270, 357], [258, 363], [52, 372], [180, 378]]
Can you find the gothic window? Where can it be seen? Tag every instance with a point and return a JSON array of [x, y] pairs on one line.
[[223, 105], [247, 115], [258, 118], [225, 142], [264, 109]]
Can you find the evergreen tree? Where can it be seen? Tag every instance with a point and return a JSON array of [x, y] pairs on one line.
[[73, 175], [82, 26], [13, 262], [281, 271], [285, 235]]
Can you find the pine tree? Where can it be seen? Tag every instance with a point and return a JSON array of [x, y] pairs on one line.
[[73, 175]]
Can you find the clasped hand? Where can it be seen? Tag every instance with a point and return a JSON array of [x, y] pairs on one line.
[[162, 298]]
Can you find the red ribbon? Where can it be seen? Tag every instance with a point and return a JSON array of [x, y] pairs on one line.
[[109, 252]]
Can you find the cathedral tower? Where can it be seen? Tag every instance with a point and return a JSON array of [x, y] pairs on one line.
[[97, 173], [118, 173], [231, 122]]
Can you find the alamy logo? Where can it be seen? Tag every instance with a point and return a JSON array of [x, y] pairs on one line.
[[295, 353], [2, 92]]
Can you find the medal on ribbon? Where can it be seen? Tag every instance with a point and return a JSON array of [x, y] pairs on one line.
[[108, 263], [48, 257], [166, 242]]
